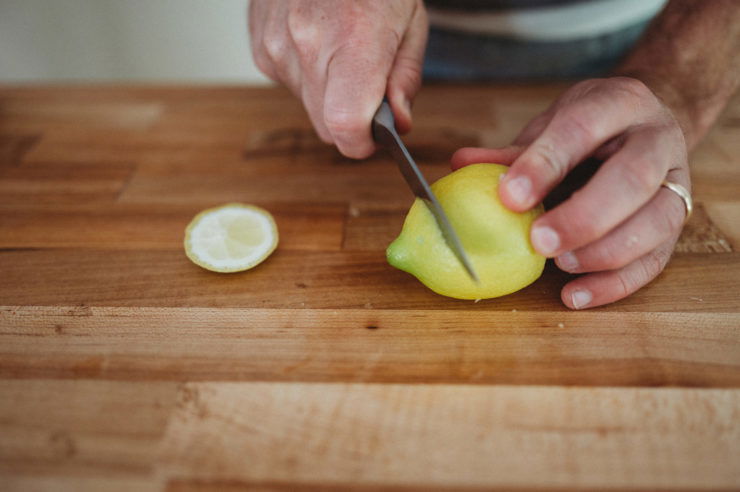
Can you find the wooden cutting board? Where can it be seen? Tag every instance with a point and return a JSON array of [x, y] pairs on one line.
[[124, 366]]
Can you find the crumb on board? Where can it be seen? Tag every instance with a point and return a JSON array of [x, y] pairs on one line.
[[561, 325]]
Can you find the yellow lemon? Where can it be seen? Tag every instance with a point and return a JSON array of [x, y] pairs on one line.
[[231, 238], [495, 238]]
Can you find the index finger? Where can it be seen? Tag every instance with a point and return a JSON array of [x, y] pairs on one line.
[[599, 111], [356, 80]]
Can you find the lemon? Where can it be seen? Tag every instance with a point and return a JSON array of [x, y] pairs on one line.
[[495, 238], [231, 238]]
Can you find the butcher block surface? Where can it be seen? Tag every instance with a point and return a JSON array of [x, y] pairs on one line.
[[123, 366]]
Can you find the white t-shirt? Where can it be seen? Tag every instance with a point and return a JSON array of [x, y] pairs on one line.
[[565, 22]]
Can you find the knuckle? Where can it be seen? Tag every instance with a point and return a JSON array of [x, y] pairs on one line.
[[361, 33], [625, 284], [583, 224], [371, 48], [641, 272], [631, 86], [611, 257], [393, 39], [546, 159], [582, 89], [275, 48], [533, 129], [652, 264], [305, 34], [642, 176], [587, 85], [632, 97], [408, 74], [588, 231], [342, 122], [352, 17], [578, 225], [579, 126]]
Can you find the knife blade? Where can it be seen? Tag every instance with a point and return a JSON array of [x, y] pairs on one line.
[[384, 133]]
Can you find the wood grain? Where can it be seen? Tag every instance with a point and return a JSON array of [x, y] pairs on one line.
[[302, 227], [701, 282], [123, 366], [82, 428], [371, 345], [418, 435]]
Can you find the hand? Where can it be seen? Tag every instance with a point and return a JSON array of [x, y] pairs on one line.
[[620, 228], [340, 57]]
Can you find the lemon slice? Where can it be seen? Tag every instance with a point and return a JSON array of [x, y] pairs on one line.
[[231, 238]]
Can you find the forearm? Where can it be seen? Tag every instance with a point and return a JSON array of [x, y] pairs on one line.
[[689, 57]]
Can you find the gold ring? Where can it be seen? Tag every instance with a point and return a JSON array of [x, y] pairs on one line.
[[683, 194]]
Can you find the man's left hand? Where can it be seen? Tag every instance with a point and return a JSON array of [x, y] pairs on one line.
[[621, 227]]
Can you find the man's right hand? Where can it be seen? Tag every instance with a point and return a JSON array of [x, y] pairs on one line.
[[340, 57]]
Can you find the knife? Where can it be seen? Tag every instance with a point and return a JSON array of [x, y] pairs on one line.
[[384, 133]]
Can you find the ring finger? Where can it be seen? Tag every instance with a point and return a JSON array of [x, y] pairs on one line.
[[647, 229], [621, 187]]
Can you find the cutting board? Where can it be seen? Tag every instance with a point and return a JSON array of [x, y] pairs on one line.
[[125, 366]]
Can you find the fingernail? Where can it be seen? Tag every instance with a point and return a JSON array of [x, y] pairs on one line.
[[545, 240], [567, 261], [581, 298], [519, 189]]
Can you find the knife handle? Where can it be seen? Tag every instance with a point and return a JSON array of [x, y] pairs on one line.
[[383, 123]]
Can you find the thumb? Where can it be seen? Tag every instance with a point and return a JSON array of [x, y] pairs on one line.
[[405, 76]]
